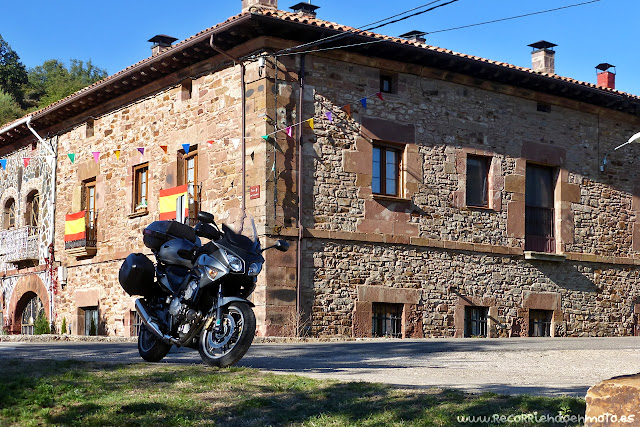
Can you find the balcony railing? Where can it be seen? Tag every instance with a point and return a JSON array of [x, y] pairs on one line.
[[539, 235], [85, 231], [19, 244]]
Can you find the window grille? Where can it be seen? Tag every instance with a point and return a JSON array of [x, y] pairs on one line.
[[540, 323], [475, 321], [387, 320], [136, 323]]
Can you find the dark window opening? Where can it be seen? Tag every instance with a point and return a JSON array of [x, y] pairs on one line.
[[90, 321], [387, 320], [30, 314], [539, 212], [477, 181], [540, 323], [386, 171], [475, 321], [33, 209], [89, 129], [10, 214], [188, 174], [89, 205], [544, 108], [187, 88], [386, 84]]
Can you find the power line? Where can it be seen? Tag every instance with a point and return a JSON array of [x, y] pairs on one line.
[[512, 17], [360, 30]]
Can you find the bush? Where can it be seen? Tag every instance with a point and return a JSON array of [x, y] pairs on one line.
[[63, 329], [42, 325]]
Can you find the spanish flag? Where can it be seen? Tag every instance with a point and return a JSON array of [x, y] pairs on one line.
[[168, 199], [74, 226]]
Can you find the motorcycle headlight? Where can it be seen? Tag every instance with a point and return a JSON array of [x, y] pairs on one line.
[[255, 268], [235, 263]]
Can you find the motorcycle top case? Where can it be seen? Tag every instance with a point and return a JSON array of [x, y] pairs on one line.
[[160, 232], [137, 276]]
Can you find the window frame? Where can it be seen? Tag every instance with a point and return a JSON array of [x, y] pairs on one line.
[[140, 189], [487, 175], [537, 323], [391, 319], [480, 321], [536, 241], [89, 205], [10, 214], [33, 200], [385, 148], [183, 178]]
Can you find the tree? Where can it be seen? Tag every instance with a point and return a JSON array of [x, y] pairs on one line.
[[13, 74], [9, 108], [53, 81], [41, 326]]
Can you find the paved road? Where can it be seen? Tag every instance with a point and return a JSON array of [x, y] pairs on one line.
[[537, 366]]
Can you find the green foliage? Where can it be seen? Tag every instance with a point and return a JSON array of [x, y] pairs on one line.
[[13, 74], [63, 329], [9, 108], [53, 81], [42, 325]]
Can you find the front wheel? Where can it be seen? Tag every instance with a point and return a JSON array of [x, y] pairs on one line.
[[150, 347], [227, 347]]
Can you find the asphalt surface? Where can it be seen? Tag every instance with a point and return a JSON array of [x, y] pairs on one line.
[[538, 366]]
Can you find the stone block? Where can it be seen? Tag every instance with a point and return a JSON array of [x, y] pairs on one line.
[[614, 402], [514, 183]]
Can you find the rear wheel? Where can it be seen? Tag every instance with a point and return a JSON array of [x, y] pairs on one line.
[[150, 347], [227, 347]]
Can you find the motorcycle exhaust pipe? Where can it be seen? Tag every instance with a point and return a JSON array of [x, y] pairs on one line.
[[153, 326]]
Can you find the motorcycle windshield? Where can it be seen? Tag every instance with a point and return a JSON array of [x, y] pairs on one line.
[[245, 243]]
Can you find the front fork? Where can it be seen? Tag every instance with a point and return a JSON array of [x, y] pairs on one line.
[[219, 310]]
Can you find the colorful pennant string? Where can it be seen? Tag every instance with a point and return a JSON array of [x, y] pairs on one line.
[[363, 101], [164, 148], [329, 116], [141, 150], [236, 142], [117, 153], [186, 148], [289, 131], [3, 163], [96, 156], [26, 161], [72, 157]]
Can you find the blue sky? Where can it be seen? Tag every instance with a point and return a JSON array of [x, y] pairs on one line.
[[114, 34]]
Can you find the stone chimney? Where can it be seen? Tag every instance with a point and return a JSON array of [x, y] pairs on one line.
[[263, 4], [543, 57], [606, 77], [305, 9], [161, 43]]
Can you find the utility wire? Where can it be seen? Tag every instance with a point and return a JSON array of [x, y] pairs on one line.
[[512, 17], [441, 31], [360, 30]]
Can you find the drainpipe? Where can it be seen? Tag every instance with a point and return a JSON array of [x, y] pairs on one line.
[[27, 121], [244, 120], [300, 189]]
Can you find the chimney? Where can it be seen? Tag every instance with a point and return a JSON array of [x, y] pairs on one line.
[[247, 5], [161, 43], [606, 78], [305, 9], [414, 36], [543, 57]]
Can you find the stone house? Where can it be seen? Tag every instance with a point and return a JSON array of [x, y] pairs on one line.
[[426, 193]]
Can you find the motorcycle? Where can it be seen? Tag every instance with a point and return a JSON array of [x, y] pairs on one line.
[[196, 294]]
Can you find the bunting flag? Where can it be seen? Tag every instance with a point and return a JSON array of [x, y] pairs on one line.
[[74, 226], [289, 131], [164, 148], [329, 116], [26, 161], [169, 199], [141, 150], [210, 143], [310, 123], [96, 156], [363, 101], [72, 157], [347, 109], [186, 148], [236, 142], [379, 95], [265, 137], [3, 163], [117, 153]]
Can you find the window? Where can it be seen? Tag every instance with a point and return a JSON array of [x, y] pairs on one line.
[[478, 181], [386, 84], [136, 323], [187, 88], [387, 320], [141, 185], [386, 170], [89, 205], [188, 174], [89, 128], [475, 321], [540, 323], [33, 209], [10, 214], [539, 213], [91, 321], [30, 314]]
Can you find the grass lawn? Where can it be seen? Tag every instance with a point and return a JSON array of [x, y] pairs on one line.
[[78, 393]]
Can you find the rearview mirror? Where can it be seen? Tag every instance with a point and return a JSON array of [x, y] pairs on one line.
[[282, 245], [205, 217]]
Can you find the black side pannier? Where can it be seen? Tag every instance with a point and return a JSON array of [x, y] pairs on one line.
[[137, 276], [160, 232]]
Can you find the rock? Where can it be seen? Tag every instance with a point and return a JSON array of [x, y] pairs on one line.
[[614, 402]]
